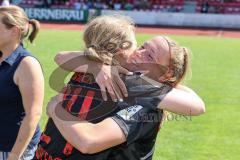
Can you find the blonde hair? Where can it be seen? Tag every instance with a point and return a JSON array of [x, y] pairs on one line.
[[15, 16], [105, 36], [179, 62]]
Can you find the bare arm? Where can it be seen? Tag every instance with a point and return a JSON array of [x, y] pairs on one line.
[[30, 81], [87, 137], [75, 61], [97, 137], [106, 76], [183, 100], [180, 100]]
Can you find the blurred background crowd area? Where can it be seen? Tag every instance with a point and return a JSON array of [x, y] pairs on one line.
[[185, 6]]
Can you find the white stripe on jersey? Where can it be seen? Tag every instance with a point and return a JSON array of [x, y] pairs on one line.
[[149, 154]]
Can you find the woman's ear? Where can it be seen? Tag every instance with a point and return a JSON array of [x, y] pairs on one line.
[[163, 79], [166, 76], [15, 31]]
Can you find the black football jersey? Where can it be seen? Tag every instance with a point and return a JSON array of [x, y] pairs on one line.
[[137, 116]]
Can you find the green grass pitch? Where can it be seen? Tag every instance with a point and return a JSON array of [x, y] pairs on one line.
[[215, 77]]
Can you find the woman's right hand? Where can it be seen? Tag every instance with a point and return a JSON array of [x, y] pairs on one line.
[[108, 79]]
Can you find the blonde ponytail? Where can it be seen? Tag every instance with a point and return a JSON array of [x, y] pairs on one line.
[[35, 29], [14, 16]]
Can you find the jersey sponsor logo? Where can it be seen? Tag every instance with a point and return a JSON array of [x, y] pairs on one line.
[[41, 154], [129, 112]]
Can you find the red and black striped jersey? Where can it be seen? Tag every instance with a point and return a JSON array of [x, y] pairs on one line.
[[137, 116]]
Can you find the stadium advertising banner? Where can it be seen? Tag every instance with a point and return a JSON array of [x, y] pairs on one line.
[[181, 19], [62, 15]]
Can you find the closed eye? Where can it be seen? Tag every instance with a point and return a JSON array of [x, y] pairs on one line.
[[142, 47], [150, 56]]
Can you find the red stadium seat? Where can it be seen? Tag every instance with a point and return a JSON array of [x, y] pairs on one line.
[[215, 6]]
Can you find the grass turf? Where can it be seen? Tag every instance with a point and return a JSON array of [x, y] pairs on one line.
[[215, 76]]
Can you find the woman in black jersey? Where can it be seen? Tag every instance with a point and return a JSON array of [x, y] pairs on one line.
[[166, 62]]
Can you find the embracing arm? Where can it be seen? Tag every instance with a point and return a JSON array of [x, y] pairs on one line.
[[30, 81], [92, 138], [87, 137], [76, 61], [106, 76], [183, 100]]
